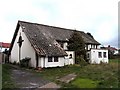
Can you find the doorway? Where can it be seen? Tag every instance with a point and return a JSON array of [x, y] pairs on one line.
[[36, 60]]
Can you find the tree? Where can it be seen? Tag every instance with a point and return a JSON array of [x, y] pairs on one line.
[[77, 44], [90, 35]]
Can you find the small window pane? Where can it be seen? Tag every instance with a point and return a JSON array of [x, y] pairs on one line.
[[104, 54], [70, 56], [100, 54], [49, 59], [88, 55], [55, 59]]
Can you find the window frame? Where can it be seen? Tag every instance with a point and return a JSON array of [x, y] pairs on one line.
[[50, 59], [88, 55], [99, 54], [104, 54], [56, 59], [70, 56]]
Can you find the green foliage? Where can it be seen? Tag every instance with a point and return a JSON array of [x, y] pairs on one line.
[[98, 76], [84, 83], [110, 54], [6, 77], [25, 62], [14, 63], [90, 35], [77, 44], [117, 60], [81, 61]]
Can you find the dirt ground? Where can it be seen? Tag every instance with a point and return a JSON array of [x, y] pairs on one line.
[[25, 79]]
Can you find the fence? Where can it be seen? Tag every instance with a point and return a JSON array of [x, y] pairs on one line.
[[3, 58]]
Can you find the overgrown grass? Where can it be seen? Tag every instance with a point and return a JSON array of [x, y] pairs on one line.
[[6, 77], [106, 74], [90, 76], [58, 72], [117, 60], [97, 76]]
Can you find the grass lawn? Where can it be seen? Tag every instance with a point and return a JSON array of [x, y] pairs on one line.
[[6, 77], [90, 76], [115, 60], [84, 83]]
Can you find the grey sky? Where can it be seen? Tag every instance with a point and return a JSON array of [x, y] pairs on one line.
[[99, 17]]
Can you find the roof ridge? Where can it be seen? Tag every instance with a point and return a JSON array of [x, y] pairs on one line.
[[51, 26]]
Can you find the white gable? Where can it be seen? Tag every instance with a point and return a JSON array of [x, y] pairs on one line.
[[26, 49]]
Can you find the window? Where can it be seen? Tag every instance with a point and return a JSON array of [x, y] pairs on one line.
[[70, 56], [55, 59], [61, 45], [49, 59], [100, 54], [104, 54], [88, 55]]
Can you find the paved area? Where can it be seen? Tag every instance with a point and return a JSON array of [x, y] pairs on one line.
[[26, 79], [50, 85], [68, 78]]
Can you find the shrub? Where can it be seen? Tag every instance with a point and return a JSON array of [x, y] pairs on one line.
[[14, 63], [81, 61], [25, 62]]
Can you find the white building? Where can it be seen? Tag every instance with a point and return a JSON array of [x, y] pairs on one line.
[[45, 45], [97, 56]]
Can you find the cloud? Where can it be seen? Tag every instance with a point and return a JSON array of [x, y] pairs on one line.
[[99, 17]]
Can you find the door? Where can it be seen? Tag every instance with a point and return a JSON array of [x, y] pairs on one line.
[[37, 60]]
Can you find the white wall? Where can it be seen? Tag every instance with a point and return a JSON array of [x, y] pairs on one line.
[[60, 62], [26, 49], [65, 46], [41, 62], [116, 52], [69, 60], [89, 47], [94, 56]]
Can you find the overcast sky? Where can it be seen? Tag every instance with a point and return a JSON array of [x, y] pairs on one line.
[[99, 17]]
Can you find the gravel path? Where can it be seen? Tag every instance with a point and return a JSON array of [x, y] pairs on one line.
[[25, 79]]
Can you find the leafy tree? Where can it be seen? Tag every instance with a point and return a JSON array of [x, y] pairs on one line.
[[90, 35], [77, 44], [5, 51]]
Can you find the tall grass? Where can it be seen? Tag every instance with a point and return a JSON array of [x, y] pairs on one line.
[[100, 76], [6, 77], [91, 75]]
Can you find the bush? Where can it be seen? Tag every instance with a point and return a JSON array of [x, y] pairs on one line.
[[14, 63], [25, 62], [81, 61]]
